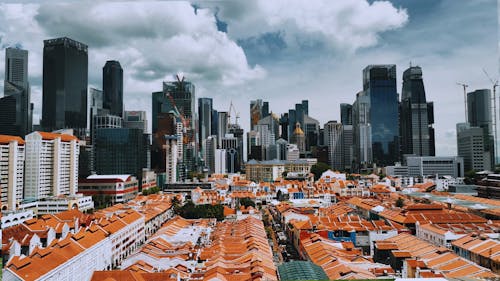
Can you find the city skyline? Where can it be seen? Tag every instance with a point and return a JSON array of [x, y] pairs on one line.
[[282, 60]]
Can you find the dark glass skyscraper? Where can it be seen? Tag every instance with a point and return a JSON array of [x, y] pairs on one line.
[[65, 75], [379, 84], [479, 115], [18, 118], [204, 118], [417, 134], [346, 114], [112, 87]]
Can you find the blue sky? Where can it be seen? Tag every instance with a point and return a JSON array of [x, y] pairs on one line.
[[282, 51]]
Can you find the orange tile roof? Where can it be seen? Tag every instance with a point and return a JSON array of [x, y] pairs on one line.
[[52, 136], [5, 139]]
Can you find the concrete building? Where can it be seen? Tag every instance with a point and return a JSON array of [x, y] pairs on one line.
[[435, 165], [51, 167], [171, 158], [109, 189], [473, 144], [270, 170], [220, 161], [11, 171], [333, 135]]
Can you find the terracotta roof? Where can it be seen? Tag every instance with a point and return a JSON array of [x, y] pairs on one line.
[[5, 139], [53, 136]]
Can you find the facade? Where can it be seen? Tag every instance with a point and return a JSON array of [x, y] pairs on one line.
[[362, 132], [348, 143], [417, 116], [333, 134], [222, 126], [297, 115], [109, 189], [51, 166], [435, 165], [119, 151], [135, 120], [379, 84], [220, 161], [112, 87], [473, 146], [346, 114], [171, 159], [65, 79], [210, 145], [269, 171], [11, 171], [205, 109], [298, 138], [258, 110], [16, 119]]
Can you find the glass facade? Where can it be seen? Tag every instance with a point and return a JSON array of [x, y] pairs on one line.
[[417, 134], [345, 114], [112, 87], [65, 75], [379, 83]]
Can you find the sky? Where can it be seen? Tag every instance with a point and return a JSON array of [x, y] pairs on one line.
[[281, 51]]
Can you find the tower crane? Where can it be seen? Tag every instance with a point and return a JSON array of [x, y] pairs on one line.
[[236, 114], [465, 98], [494, 86]]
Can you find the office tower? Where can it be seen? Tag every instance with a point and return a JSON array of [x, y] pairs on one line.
[[96, 105], [346, 114], [135, 120], [65, 75], [416, 127], [12, 171], [284, 126], [215, 122], [297, 115], [473, 146], [272, 123], [112, 87], [222, 126], [258, 110], [281, 149], [237, 132], [205, 111], [51, 166], [220, 161], [348, 143], [119, 151], [181, 95], [379, 84], [210, 145], [311, 132], [231, 144], [171, 158], [362, 133], [298, 138], [16, 110], [292, 152], [479, 120], [333, 135]]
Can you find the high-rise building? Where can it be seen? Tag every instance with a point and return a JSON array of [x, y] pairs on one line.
[[417, 134], [51, 166], [231, 144], [362, 133], [16, 109], [210, 145], [298, 138], [171, 158], [12, 171], [222, 126], [348, 143], [258, 110], [472, 146], [135, 120], [333, 135], [112, 87], [379, 84], [181, 95], [297, 115], [119, 151], [311, 132], [205, 111], [346, 114], [479, 109], [65, 78], [237, 132]]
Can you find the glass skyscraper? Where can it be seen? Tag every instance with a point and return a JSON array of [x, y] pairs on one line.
[[112, 87], [16, 110], [416, 117], [379, 84], [345, 114], [65, 77]]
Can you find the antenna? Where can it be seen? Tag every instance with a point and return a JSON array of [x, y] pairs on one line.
[[494, 86], [465, 99]]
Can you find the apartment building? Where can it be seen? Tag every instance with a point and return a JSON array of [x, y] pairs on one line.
[[11, 171]]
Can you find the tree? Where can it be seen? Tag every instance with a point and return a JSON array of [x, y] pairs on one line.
[[318, 169], [247, 202], [400, 202]]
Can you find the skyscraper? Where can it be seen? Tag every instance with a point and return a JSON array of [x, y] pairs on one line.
[[379, 84], [333, 139], [112, 87], [417, 134], [346, 114], [204, 118], [16, 110], [362, 132], [258, 110], [65, 77]]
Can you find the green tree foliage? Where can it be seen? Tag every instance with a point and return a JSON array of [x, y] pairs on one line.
[[152, 190], [400, 202], [247, 202], [318, 169], [192, 211]]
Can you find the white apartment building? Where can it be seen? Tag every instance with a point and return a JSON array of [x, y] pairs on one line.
[[51, 167], [11, 171], [171, 158]]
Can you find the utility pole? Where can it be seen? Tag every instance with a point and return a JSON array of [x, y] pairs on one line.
[[465, 99]]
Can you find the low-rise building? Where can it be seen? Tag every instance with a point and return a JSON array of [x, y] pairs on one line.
[[271, 170], [109, 189]]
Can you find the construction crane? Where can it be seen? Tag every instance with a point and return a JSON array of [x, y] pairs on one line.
[[465, 98], [236, 114], [494, 86]]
